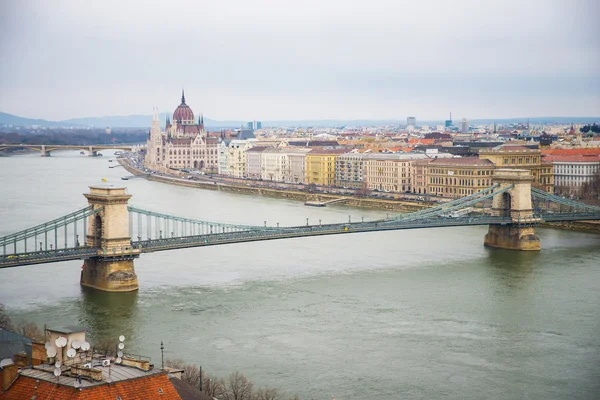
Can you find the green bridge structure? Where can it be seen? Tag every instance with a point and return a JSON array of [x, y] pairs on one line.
[[109, 234]]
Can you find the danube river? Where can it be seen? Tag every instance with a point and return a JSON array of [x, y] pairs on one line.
[[417, 314]]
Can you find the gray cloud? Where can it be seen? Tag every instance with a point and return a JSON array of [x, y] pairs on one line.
[[310, 59]]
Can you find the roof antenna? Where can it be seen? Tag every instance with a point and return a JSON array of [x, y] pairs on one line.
[[162, 356]]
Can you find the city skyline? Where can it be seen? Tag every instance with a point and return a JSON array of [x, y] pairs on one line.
[[262, 61]]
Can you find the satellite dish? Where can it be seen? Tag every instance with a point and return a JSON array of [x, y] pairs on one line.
[[57, 364], [118, 360], [121, 346], [88, 365], [76, 344], [71, 353], [85, 346], [57, 372], [48, 345], [105, 363], [5, 362], [82, 355], [121, 338], [120, 353], [61, 342], [51, 352]]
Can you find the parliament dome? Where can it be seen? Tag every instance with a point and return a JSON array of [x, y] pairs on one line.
[[183, 113]]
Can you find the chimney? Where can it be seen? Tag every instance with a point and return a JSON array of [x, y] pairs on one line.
[[8, 374]]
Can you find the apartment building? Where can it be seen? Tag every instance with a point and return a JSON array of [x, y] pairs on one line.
[[320, 166], [349, 170], [393, 172], [254, 162]]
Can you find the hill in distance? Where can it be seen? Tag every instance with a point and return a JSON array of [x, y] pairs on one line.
[[144, 121]]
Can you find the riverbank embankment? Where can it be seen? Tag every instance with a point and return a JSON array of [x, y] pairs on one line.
[[352, 201], [378, 204]]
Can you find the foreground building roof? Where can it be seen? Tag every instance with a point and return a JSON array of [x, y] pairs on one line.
[[155, 386]]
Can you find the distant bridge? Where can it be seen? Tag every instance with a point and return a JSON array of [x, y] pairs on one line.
[[92, 150], [113, 233]]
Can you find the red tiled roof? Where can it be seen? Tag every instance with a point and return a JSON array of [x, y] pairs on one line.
[[144, 388], [571, 152], [571, 158]]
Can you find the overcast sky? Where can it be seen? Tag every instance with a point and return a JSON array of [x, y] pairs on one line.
[[301, 59]]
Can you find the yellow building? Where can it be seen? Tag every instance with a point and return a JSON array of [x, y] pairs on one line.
[[452, 177], [320, 166], [521, 157]]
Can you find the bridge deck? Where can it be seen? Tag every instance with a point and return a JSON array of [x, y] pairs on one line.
[[252, 235]]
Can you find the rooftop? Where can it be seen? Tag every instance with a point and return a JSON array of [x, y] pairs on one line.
[[462, 161], [153, 386], [509, 148], [110, 374], [66, 329]]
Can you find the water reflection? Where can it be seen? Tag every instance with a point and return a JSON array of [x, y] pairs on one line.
[[512, 269], [108, 315]]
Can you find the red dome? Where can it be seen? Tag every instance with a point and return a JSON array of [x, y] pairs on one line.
[[183, 112]]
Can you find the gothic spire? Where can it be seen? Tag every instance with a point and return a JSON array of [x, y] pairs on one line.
[[182, 97]]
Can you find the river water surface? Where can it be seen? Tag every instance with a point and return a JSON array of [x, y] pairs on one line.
[[416, 314]]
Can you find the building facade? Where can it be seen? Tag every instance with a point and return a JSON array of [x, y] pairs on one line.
[[393, 172], [349, 170], [183, 144], [236, 157], [453, 177], [573, 172], [521, 157], [254, 162], [320, 166]]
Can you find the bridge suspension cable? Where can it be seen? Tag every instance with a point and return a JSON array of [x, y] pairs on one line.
[[540, 194], [455, 204], [53, 237], [148, 225]]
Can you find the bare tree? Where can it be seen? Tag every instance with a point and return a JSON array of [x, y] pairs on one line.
[[214, 387], [364, 191], [266, 394], [105, 345], [237, 387], [30, 331], [4, 319]]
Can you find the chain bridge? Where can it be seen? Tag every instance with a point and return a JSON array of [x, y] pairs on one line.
[[109, 234]]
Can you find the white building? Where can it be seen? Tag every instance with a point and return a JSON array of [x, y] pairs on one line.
[[572, 172]]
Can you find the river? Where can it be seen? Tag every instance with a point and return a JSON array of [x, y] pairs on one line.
[[416, 314]]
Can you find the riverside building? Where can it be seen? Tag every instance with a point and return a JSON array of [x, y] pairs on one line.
[[452, 177], [521, 157], [183, 144]]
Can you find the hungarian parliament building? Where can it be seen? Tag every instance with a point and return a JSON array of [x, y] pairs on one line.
[[183, 144]]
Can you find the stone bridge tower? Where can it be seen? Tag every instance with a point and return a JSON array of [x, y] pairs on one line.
[[108, 231], [516, 204]]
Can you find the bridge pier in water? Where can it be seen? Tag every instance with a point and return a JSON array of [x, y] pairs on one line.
[[112, 269], [44, 152], [514, 203]]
